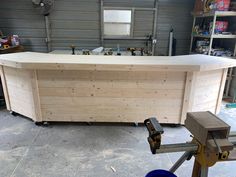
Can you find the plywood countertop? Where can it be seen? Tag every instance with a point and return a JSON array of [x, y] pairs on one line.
[[33, 60]]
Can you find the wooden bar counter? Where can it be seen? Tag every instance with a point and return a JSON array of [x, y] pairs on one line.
[[52, 87]]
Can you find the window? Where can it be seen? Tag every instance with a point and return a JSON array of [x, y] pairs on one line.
[[117, 23]]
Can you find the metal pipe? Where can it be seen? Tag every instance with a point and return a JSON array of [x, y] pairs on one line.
[[102, 22], [154, 33], [180, 147], [132, 23], [171, 36], [204, 171], [48, 34], [212, 33]]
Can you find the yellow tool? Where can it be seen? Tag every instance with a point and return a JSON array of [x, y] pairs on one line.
[[6, 46]]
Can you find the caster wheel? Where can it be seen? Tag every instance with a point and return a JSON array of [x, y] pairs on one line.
[[45, 124], [38, 123], [89, 123], [175, 125], [13, 113]]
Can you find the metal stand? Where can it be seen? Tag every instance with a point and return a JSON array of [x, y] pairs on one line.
[[185, 156], [207, 150], [198, 170]]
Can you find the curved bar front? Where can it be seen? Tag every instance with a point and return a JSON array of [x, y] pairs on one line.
[[50, 87]]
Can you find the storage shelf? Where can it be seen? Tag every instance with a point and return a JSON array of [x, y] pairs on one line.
[[194, 53], [217, 13], [222, 36], [201, 36], [211, 37], [216, 36]]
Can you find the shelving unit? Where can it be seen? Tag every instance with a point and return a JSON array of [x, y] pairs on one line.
[[213, 36], [216, 36]]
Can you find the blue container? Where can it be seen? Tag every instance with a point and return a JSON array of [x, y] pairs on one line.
[[160, 173]]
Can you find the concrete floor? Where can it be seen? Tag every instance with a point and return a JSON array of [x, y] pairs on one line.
[[75, 150]]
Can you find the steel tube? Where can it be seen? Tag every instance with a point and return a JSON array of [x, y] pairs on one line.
[[181, 160], [180, 147]]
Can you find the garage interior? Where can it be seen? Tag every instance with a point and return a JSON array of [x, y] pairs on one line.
[[124, 88]]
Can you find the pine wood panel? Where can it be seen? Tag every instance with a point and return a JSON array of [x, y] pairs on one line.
[[71, 75], [20, 94], [109, 109], [206, 95], [20, 85], [32, 60], [118, 96], [190, 84], [113, 94], [5, 88], [58, 102]]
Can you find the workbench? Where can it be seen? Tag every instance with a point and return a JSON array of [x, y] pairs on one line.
[[57, 87]]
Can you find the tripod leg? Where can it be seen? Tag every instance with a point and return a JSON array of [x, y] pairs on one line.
[[204, 171], [196, 169], [181, 160]]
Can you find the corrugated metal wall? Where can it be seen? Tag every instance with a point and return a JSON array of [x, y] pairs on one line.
[[176, 14], [78, 22], [75, 22]]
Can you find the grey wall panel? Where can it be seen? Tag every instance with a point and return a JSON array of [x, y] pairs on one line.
[[21, 23], [15, 13], [75, 22], [19, 4], [70, 5], [143, 23], [78, 22], [35, 48], [75, 15], [76, 34], [80, 44], [176, 14], [40, 33]]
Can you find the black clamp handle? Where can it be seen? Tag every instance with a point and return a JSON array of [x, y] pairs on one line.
[[155, 130]]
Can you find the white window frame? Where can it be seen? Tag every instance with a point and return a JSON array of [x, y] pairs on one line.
[[119, 36]]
